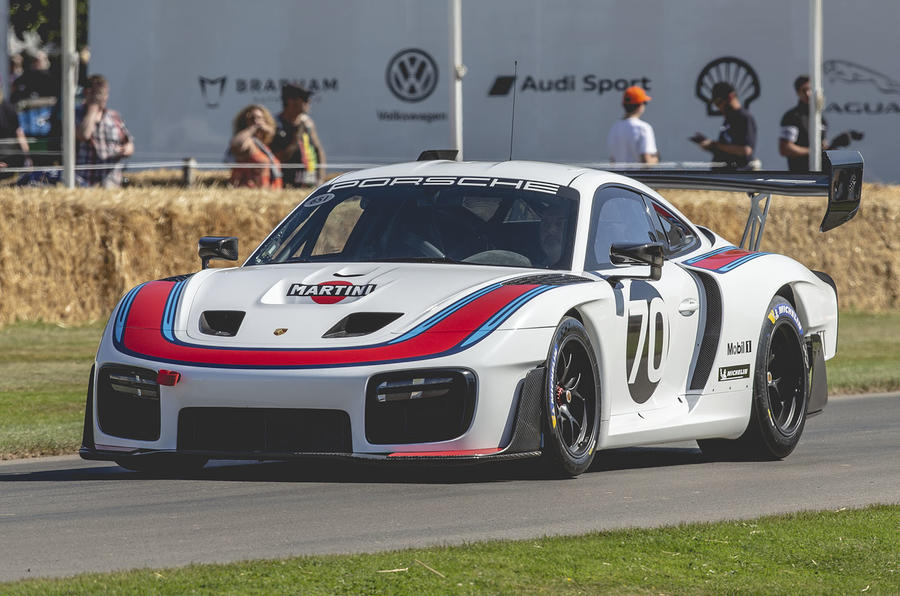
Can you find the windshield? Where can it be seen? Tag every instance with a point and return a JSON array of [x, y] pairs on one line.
[[486, 221]]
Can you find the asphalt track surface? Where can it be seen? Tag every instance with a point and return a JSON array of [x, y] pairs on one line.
[[61, 515]]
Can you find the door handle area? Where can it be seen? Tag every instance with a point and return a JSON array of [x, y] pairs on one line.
[[688, 306]]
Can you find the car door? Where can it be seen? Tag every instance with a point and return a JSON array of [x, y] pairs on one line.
[[657, 320]]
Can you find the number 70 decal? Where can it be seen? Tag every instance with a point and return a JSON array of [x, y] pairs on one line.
[[647, 342]]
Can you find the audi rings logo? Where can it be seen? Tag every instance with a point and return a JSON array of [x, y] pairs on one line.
[[412, 75]]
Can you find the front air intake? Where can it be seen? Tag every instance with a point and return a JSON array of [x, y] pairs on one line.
[[128, 402], [224, 323], [419, 406], [361, 323]]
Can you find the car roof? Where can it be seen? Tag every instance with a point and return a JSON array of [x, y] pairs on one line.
[[554, 173]]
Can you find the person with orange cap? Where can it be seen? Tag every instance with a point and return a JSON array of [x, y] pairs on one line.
[[631, 140]]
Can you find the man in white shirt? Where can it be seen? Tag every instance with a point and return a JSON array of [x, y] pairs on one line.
[[631, 140]]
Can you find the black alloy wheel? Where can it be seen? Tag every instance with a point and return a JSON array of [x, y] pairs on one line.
[[572, 413], [784, 379], [781, 385]]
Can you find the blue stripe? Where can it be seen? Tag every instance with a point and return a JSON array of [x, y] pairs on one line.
[[122, 315], [443, 314], [495, 321], [168, 320]]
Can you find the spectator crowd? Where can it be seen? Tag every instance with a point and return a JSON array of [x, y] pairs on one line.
[[284, 150]]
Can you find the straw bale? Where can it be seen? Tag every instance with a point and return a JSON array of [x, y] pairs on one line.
[[69, 255]]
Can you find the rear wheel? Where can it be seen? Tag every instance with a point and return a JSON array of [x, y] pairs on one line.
[[163, 464], [780, 391], [571, 408]]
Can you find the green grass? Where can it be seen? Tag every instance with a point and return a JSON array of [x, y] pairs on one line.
[[44, 372], [836, 552], [868, 355]]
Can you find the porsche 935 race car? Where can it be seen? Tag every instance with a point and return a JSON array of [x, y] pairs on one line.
[[468, 311]]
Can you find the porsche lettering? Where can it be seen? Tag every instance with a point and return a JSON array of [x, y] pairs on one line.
[[476, 181]]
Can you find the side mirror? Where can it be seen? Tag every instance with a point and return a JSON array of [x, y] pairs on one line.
[[639, 254], [217, 247]]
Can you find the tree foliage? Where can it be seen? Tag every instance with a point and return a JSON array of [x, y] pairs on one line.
[[45, 18]]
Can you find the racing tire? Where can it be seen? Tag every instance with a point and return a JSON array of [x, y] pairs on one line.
[[163, 464], [781, 386], [571, 402]]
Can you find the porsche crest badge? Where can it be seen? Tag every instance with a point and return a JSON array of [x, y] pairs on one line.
[[280, 331]]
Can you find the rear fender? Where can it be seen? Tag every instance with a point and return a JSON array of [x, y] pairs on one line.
[[747, 291]]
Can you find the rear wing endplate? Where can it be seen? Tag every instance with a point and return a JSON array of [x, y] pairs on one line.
[[840, 181]]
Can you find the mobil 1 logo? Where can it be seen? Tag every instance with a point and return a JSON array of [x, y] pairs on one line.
[[647, 344]]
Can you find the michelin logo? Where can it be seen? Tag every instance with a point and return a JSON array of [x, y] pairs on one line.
[[730, 373], [785, 310]]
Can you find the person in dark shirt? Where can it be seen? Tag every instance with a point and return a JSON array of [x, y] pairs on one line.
[[793, 140], [737, 140], [296, 141], [13, 144], [36, 81]]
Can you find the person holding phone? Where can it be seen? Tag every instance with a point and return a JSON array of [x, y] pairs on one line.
[[102, 139], [737, 140]]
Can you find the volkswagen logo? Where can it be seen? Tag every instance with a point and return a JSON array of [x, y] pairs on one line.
[[412, 75]]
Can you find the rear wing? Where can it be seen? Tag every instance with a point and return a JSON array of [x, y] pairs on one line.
[[840, 181]]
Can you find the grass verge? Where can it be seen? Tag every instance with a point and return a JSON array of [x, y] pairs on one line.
[[835, 552], [868, 354], [44, 372]]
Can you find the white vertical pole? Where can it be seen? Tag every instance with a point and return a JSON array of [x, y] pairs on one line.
[[4, 48], [457, 71], [69, 63], [817, 98]]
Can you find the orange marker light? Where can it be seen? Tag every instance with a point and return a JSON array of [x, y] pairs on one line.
[[168, 377]]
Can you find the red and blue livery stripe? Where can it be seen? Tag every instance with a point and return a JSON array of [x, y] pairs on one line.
[[723, 260], [145, 328]]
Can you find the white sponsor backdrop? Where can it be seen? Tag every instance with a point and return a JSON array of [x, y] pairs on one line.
[[574, 58]]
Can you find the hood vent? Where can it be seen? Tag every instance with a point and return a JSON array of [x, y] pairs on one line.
[[361, 323], [223, 323]]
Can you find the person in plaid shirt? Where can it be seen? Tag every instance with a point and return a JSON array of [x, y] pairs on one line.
[[102, 137]]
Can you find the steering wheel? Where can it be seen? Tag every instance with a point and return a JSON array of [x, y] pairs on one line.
[[422, 247]]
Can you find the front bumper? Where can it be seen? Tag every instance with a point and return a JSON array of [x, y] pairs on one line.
[[505, 423]]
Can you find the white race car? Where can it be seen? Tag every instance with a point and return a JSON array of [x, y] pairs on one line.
[[442, 310]]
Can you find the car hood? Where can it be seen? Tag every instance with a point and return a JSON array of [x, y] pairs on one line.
[[334, 305]]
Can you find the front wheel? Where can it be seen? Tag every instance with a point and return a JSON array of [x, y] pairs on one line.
[[571, 411], [780, 391]]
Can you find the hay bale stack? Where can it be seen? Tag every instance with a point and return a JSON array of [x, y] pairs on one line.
[[69, 255], [860, 255]]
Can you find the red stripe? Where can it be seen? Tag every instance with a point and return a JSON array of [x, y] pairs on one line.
[[143, 335], [464, 452], [720, 260]]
